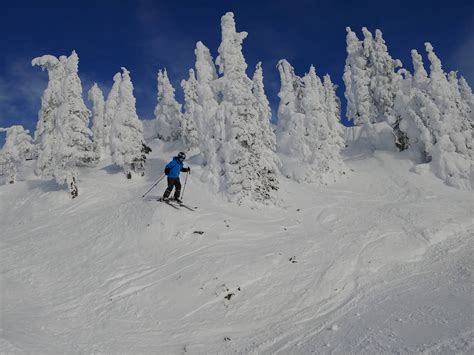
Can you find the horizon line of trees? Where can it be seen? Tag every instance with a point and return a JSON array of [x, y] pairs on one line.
[[226, 117]]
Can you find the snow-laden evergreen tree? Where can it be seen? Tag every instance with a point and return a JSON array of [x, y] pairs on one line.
[[73, 137], [291, 118], [51, 101], [189, 131], [420, 76], [315, 123], [323, 137], [78, 116], [168, 116], [63, 135], [210, 131], [100, 138], [368, 54], [436, 123], [127, 143], [111, 105], [400, 109], [384, 86], [357, 81], [17, 148], [333, 115], [263, 107], [417, 109], [468, 97], [455, 166], [414, 108], [249, 170], [372, 83], [465, 125], [310, 136]]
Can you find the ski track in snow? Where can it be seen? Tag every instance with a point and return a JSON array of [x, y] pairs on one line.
[[354, 267]]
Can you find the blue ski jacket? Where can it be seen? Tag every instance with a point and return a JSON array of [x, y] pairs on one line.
[[174, 167]]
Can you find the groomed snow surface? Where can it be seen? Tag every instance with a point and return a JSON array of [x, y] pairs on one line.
[[380, 262]]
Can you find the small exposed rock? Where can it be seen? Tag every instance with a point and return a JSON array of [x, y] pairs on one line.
[[229, 296]]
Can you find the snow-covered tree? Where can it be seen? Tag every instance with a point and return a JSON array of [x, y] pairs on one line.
[[452, 129], [68, 143], [77, 116], [17, 148], [168, 116], [454, 114], [111, 105], [372, 83], [51, 101], [333, 114], [263, 107], [436, 122], [291, 119], [464, 124], [189, 131], [73, 143], [357, 81], [323, 137], [127, 143], [248, 169], [315, 123], [206, 75], [310, 136], [384, 86], [468, 97], [209, 129], [420, 76], [419, 113], [400, 108], [98, 120]]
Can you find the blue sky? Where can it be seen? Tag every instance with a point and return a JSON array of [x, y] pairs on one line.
[[146, 35]]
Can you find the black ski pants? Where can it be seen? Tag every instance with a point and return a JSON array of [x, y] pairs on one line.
[[173, 182]]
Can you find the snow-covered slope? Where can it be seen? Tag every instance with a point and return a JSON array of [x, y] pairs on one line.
[[381, 262]]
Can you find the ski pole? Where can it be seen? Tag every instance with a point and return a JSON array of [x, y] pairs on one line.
[[184, 187], [156, 183]]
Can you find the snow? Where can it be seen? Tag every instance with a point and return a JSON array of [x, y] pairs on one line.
[[378, 263]]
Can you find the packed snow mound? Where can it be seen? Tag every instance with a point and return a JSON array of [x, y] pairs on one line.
[[377, 263]]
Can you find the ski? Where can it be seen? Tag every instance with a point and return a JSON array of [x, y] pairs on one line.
[[187, 207], [168, 203], [171, 204], [176, 204]]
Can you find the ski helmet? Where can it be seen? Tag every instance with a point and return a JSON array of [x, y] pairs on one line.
[[181, 156]]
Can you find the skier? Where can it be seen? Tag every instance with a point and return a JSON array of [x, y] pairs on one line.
[[172, 171]]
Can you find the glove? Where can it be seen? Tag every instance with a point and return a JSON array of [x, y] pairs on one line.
[[167, 171]]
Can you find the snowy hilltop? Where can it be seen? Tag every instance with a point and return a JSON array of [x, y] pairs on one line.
[[226, 118], [296, 235]]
